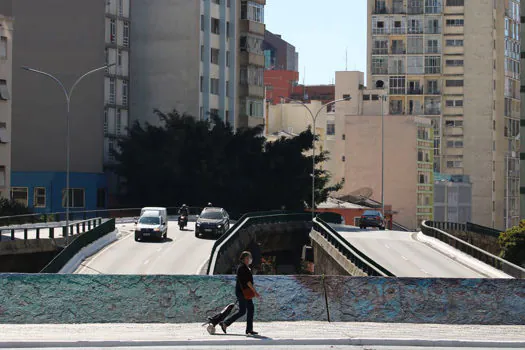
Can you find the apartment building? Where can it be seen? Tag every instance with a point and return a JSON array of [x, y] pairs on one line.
[[408, 146], [279, 54], [66, 39], [6, 49], [203, 58], [457, 64]]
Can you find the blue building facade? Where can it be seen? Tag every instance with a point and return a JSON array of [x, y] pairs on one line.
[[44, 192]]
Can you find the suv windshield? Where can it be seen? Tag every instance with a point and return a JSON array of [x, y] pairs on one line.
[[149, 220], [213, 215]]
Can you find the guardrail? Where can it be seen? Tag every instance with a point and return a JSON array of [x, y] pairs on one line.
[[246, 221], [398, 227], [83, 215], [77, 244], [80, 226], [480, 254], [360, 260], [464, 227]]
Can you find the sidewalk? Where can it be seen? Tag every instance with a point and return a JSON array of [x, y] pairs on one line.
[[271, 334]]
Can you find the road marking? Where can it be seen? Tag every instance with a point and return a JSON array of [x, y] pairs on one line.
[[158, 250], [146, 262], [387, 246], [424, 271], [404, 258], [94, 257]]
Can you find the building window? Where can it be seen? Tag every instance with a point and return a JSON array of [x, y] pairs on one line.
[[118, 123], [101, 198], [397, 85], [415, 45], [202, 84], [215, 56], [202, 23], [458, 22], [330, 128], [3, 47], [454, 83], [379, 65], [252, 11], [214, 86], [432, 65], [112, 31], [112, 91], [456, 3], [4, 91], [215, 26], [343, 137], [433, 46], [433, 6], [120, 8], [39, 200], [20, 195], [124, 93], [227, 89], [454, 144], [454, 103], [125, 40], [454, 63], [76, 198], [454, 164], [227, 58], [454, 42]]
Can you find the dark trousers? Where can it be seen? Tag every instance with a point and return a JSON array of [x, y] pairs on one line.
[[243, 306]]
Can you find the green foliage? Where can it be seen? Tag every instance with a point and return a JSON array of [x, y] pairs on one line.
[[196, 162], [10, 208], [512, 243]]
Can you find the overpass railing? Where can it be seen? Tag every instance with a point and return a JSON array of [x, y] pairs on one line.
[[38, 231], [105, 227], [356, 257], [464, 227], [247, 220], [480, 254]]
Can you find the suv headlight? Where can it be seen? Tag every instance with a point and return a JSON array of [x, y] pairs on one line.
[[157, 229], [198, 224], [219, 225]]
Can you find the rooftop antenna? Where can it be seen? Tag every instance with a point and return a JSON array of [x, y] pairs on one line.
[[346, 59], [304, 84]]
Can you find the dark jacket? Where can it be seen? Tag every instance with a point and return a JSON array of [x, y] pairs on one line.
[[244, 275]]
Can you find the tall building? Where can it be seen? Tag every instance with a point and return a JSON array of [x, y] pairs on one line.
[[522, 121], [457, 64], [66, 39], [279, 54], [408, 157], [202, 58], [6, 45]]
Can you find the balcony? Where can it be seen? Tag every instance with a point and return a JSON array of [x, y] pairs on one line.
[[432, 111], [380, 51], [248, 58], [415, 91], [415, 10], [247, 26], [398, 51], [433, 92], [380, 11], [415, 30], [246, 90]]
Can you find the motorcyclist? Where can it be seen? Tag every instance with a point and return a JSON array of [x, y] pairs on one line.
[[209, 205], [184, 210]]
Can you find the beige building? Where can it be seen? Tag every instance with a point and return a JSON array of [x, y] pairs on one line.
[[289, 119], [6, 44], [408, 173], [457, 64]]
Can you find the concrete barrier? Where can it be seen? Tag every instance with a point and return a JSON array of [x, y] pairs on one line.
[[56, 298]]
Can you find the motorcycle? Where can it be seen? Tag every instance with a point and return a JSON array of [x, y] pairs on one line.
[[183, 222]]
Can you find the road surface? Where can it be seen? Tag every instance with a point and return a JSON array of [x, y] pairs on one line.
[[404, 256], [181, 254]]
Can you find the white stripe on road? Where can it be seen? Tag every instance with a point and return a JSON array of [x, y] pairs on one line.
[[146, 262]]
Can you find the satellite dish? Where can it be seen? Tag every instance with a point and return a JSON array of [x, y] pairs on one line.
[[380, 84]]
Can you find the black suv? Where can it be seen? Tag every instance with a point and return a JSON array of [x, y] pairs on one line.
[[372, 218], [212, 222]]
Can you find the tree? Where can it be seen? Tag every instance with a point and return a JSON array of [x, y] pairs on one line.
[[11, 208], [512, 243], [195, 162]]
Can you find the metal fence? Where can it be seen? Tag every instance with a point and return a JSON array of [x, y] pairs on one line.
[[464, 227], [428, 228], [39, 231], [360, 260]]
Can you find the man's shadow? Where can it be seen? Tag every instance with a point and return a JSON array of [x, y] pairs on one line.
[[258, 336]]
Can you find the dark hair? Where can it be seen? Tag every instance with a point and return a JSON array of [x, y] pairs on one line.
[[245, 254]]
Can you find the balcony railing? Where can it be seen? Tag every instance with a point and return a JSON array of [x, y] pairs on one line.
[[398, 51], [415, 30], [415, 10], [379, 51], [432, 111], [380, 11], [415, 91], [433, 92]]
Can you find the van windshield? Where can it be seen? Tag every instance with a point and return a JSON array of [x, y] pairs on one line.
[[149, 220]]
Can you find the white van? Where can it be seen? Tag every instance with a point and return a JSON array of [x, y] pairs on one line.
[[162, 212], [153, 223]]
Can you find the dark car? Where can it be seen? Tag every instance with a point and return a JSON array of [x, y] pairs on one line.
[[372, 218], [212, 222]]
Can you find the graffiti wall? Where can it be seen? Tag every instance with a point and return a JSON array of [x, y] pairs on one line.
[[187, 299]]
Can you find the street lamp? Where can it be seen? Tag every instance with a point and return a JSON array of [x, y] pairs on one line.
[[67, 94], [314, 120], [383, 98]]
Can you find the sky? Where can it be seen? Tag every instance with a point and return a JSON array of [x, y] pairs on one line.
[[322, 32]]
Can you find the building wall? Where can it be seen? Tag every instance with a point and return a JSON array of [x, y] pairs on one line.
[[522, 121], [283, 53], [6, 63], [279, 83], [67, 40], [165, 70]]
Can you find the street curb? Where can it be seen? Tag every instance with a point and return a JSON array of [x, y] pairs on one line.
[[269, 342], [73, 264]]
